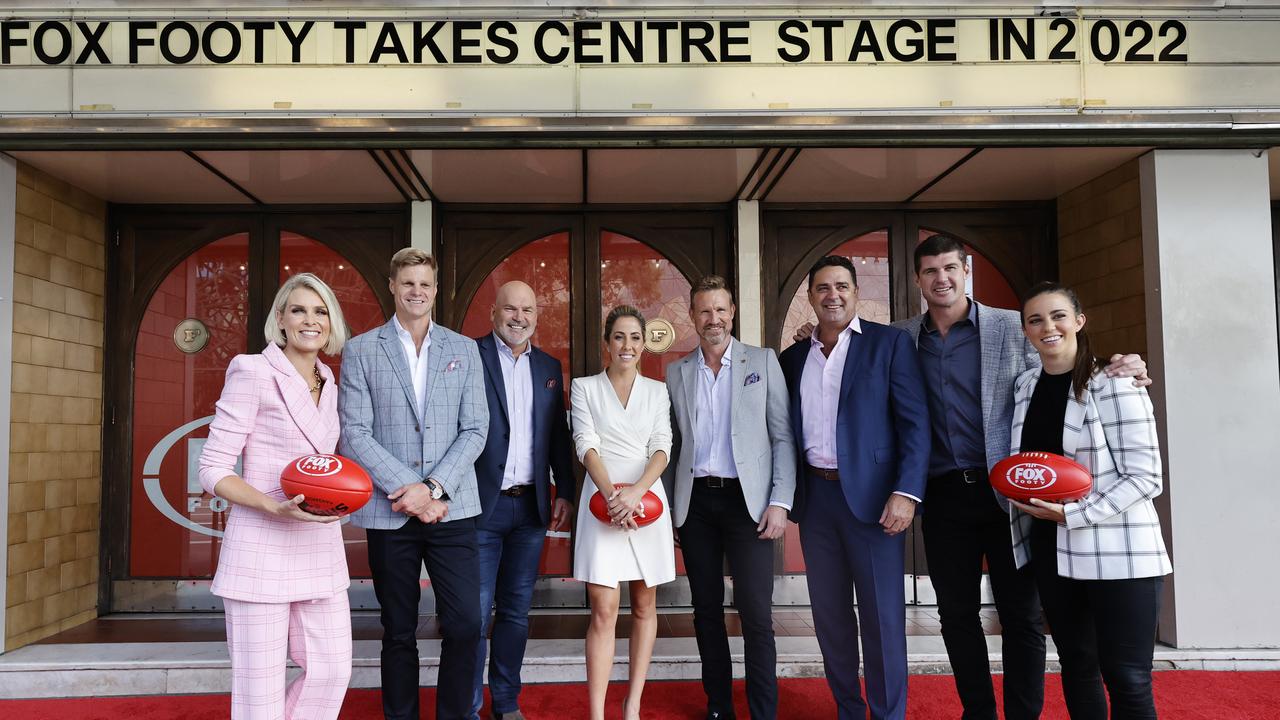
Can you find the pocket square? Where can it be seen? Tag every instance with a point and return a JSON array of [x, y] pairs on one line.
[[551, 384], [752, 379], [453, 365]]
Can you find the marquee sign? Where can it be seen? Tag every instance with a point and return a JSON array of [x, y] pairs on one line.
[[629, 61]]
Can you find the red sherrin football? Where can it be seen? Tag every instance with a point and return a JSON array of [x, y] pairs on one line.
[[652, 507], [1050, 477], [331, 484]]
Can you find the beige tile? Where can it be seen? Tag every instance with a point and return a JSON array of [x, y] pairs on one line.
[[50, 240], [26, 497], [47, 295], [41, 524], [67, 520], [30, 320], [34, 205], [29, 261], [89, 384], [25, 557], [64, 217], [66, 272], [93, 228], [17, 528], [60, 492], [80, 357], [87, 252], [44, 408], [91, 332], [17, 592], [55, 547], [89, 437], [43, 466], [78, 573], [18, 464], [27, 175], [84, 517], [21, 347], [82, 304], [80, 465], [63, 382], [81, 411], [23, 437], [30, 378], [22, 618], [94, 281], [86, 545], [64, 327], [47, 352], [23, 288]]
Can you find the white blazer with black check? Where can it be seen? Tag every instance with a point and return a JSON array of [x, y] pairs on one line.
[[1114, 532]]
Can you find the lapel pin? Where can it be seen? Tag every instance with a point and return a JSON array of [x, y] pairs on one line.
[[453, 365]]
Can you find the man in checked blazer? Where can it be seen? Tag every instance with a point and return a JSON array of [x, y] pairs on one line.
[[733, 481], [971, 355], [413, 412]]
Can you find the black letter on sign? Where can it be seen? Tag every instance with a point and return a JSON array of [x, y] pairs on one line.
[[688, 42], [206, 42], [92, 43], [915, 46], [259, 47], [538, 42], [502, 41], [1060, 51], [136, 40], [618, 38], [296, 40], [663, 27], [727, 41], [64, 47], [581, 42], [388, 42], [193, 43], [785, 31], [460, 43], [349, 28], [865, 41], [1009, 35], [427, 41], [828, 45], [8, 41], [936, 38]]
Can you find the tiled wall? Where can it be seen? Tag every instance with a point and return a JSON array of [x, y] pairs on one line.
[[55, 467], [1100, 255]]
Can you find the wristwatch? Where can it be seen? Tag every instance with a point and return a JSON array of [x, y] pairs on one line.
[[437, 490]]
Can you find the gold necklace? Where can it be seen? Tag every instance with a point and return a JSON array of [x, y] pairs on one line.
[[319, 380]]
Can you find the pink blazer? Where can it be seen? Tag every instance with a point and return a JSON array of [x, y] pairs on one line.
[[266, 412]]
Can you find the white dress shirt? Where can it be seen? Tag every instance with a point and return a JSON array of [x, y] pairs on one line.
[[713, 440], [517, 381], [820, 399], [417, 360]]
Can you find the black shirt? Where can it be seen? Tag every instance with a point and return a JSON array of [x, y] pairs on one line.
[[1042, 427]]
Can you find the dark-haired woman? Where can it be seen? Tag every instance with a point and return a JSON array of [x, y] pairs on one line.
[[622, 432], [1099, 562]]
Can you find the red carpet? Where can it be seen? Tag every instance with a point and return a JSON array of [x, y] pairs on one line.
[[1180, 695]]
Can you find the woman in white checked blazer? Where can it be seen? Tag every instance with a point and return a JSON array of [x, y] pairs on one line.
[[282, 572], [1099, 562]]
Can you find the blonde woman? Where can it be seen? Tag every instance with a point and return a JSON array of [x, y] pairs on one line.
[[282, 572]]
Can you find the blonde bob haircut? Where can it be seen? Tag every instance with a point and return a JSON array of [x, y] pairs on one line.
[[338, 331]]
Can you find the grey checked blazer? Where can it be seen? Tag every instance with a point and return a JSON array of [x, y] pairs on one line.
[[1114, 532], [1006, 354], [381, 430], [763, 445]]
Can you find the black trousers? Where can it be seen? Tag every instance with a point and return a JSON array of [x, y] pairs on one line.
[[396, 558], [719, 526], [1105, 631], [963, 524]]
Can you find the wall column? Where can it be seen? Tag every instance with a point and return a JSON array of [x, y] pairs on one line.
[[8, 229], [1211, 333], [750, 317], [422, 222]]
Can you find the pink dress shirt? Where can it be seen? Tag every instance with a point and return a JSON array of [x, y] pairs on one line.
[[267, 413]]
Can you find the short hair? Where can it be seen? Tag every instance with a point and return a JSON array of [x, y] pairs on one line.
[[410, 256], [708, 283], [833, 261], [939, 244], [622, 311], [338, 330]]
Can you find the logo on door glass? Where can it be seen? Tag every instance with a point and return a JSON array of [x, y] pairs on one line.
[[191, 336], [660, 335]]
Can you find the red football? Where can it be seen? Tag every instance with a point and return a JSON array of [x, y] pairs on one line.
[[652, 507], [1050, 477], [331, 484]]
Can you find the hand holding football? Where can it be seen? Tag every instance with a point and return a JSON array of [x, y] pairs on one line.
[[652, 506], [330, 484], [1049, 477]]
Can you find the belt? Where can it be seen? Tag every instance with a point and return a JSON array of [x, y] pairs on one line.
[[970, 476], [715, 482], [518, 490], [832, 474]]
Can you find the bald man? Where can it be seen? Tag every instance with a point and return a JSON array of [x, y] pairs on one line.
[[527, 448]]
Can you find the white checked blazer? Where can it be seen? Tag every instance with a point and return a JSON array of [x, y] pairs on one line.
[[381, 428], [1114, 532]]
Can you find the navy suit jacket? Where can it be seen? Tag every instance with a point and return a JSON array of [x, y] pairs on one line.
[[882, 425], [551, 440]]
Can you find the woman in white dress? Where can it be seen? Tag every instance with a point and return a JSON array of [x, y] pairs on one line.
[[622, 432]]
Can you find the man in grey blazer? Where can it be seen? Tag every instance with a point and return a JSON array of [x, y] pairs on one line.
[[971, 355], [732, 484], [414, 415]]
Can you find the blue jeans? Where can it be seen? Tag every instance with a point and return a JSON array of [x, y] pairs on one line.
[[510, 542]]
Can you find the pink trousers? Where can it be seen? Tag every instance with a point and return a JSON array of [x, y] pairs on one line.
[[316, 634]]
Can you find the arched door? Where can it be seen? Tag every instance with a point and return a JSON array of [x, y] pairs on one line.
[[192, 291], [580, 266]]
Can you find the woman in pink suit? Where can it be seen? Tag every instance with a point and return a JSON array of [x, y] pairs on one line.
[[282, 573]]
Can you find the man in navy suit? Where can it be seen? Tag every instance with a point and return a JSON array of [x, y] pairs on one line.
[[528, 435], [861, 422]]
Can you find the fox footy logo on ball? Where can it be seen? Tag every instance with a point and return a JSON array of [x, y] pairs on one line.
[[319, 465], [1031, 476]]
